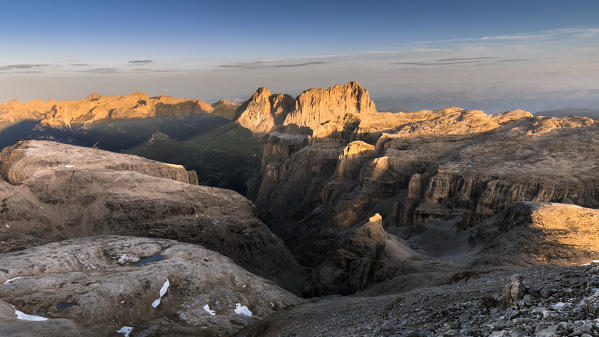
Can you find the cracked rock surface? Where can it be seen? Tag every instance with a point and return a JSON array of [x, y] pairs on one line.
[[94, 286]]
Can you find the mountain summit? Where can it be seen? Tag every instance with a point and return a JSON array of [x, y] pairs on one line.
[[265, 111]]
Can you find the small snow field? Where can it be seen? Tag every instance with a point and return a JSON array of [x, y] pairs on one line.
[[32, 318], [163, 290], [126, 330], [207, 309], [9, 281], [242, 310]]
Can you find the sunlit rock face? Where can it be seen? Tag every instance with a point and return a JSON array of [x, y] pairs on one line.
[[265, 110], [433, 175], [98, 107], [540, 233]]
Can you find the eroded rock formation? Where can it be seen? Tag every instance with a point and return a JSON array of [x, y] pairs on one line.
[[53, 191], [431, 175]]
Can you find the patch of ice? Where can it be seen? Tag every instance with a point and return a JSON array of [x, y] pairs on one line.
[[207, 308], [68, 166], [163, 290], [127, 258], [9, 281], [242, 310], [126, 330], [24, 317]]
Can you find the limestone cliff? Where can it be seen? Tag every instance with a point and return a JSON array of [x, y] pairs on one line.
[[432, 175], [539, 233], [264, 111]]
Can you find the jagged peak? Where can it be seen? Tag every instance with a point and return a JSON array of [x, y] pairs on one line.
[[224, 102], [349, 85], [93, 96], [139, 95], [261, 92]]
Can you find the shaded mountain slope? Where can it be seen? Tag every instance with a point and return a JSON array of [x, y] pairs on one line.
[[53, 191], [224, 156]]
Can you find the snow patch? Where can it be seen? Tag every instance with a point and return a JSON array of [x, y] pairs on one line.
[[32, 318], [127, 258], [207, 308], [9, 281], [242, 310], [163, 290], [126, 330], [68, 166]]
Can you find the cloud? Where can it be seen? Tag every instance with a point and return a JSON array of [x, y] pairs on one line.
[[269, 64], [574, 32], [79, 64], [22, 66], [513, 60], [141, 61], [457, 59], [461, 60], [106, 70], [516, 37]]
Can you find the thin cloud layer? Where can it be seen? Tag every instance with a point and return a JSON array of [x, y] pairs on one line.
[[22, 66], [141, 61], [462, 60], [270, 64], [105, 70]]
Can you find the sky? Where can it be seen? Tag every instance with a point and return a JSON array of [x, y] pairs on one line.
[[489, 55]]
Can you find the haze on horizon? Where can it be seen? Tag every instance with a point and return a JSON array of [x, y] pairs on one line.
[[495, 56]]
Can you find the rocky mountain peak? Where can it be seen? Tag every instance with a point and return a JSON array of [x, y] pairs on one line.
[[265, 111], [261, 92], [316, 106], [140, 95]]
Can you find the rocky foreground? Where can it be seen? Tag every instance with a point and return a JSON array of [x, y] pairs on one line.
[[52, 191], [539, 301], [96, 286]]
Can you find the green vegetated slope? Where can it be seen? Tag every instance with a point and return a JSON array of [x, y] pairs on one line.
[[221, 157]]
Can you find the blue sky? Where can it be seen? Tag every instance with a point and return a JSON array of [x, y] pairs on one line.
[[405, 52]]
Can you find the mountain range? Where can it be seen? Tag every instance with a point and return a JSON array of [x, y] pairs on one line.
[[406, 212]]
